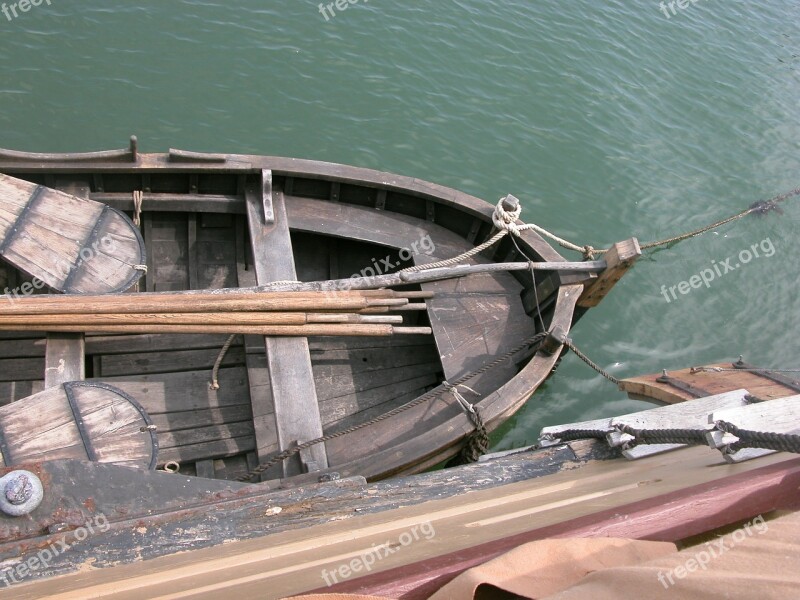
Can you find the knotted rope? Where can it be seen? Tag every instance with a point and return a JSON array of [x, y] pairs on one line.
[[478, 441], [138, 199]]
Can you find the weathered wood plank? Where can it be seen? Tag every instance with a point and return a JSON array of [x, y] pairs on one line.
[[292, 380], [65, 359], [167, 361], [620, 259], [184, 391]]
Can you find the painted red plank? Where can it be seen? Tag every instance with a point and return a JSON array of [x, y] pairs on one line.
[[669, 517]]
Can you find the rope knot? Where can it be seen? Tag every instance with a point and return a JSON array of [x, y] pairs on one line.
[[588, 253], [453, 389], [506, 220]]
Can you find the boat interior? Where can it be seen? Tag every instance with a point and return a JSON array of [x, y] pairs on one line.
[[199, 234]]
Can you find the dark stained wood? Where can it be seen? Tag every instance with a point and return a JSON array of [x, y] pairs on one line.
[[472, 317], [291, 377]]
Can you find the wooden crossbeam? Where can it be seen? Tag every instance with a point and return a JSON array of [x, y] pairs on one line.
[[289, 359]]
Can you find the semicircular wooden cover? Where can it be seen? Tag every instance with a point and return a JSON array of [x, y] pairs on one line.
[[79, 420], [72, 244]]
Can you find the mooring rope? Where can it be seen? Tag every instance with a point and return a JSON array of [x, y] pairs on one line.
[[506, 222], [569, 344]]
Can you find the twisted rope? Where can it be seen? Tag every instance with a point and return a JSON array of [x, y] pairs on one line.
[[568, 343], [781, 442], [689, 437], [535, 340], [138, 199], [506, 221], [218, 363]]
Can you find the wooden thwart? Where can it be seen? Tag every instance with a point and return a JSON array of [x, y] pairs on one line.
[[291, 377]]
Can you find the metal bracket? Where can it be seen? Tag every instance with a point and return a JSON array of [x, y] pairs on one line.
[[792, 384], [695, 391]]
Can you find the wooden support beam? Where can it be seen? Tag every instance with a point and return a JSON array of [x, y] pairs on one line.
[[65, 359], [65, 353], [619, 259], [289, 359]]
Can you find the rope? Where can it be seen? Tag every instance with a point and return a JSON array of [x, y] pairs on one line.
[[478, 441], [461, 257], [218, 363], [690, 437], [781, 442], [568, 343], [506, 222], [138, 198], [751, 370], [536, 340], [570, 435]]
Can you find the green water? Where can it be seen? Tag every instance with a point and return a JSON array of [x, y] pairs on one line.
[[608, 119]]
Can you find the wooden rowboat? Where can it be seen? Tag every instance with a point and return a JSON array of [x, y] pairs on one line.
[[213, 222]]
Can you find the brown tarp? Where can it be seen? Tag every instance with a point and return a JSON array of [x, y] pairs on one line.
[[760, 559]]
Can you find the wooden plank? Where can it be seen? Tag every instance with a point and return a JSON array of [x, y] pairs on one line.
[[169, 361], [184, 391], [65, 353], [217, 449], [205, 468], [191, 419], [65, 359], [291, 375], [21, 369], [708, 378], [775, 416], [620, 259]]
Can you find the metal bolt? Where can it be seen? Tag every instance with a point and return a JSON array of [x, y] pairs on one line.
[[19, 489], [22, 493]]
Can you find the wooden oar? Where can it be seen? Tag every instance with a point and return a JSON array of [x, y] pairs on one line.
[[144, 303], [221, 318], [266, 330]]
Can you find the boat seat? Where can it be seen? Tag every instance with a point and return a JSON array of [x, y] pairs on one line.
[[464, 339]]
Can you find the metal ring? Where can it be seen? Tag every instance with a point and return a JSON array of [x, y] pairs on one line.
[[172, 467]]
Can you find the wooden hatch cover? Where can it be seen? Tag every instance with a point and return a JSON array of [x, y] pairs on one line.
[[72, 244], [78, 420]]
